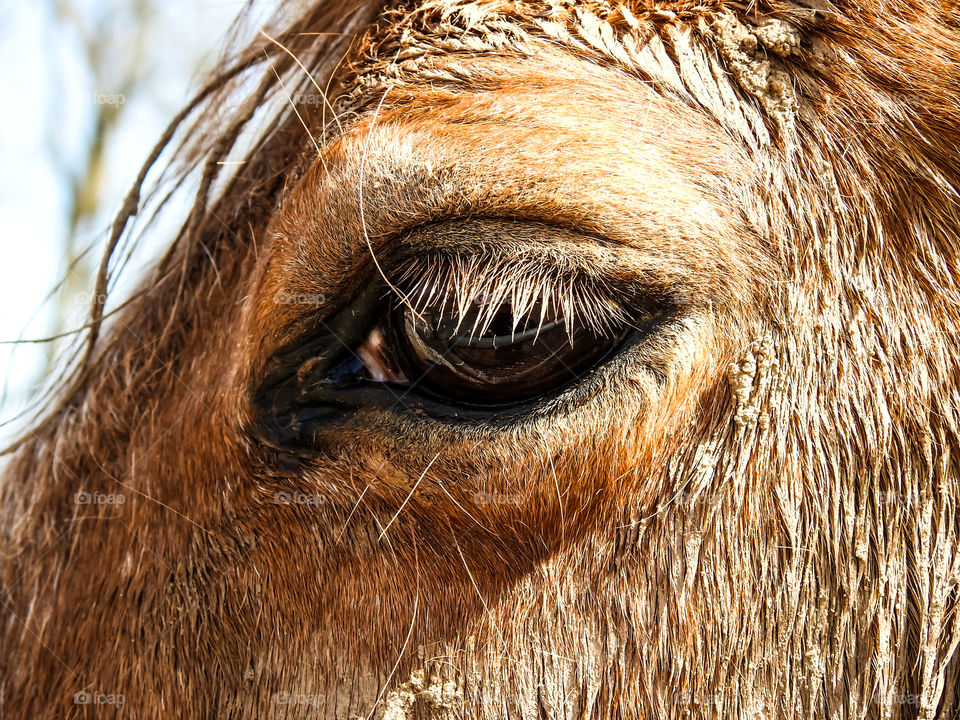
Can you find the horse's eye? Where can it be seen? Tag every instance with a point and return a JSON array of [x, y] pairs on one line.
[[483, 354]]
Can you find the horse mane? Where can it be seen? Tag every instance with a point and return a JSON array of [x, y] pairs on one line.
[[240, 142]]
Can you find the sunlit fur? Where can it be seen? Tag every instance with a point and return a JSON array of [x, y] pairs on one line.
[[756, 517]]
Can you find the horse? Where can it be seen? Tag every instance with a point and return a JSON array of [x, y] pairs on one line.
[[518, 359]]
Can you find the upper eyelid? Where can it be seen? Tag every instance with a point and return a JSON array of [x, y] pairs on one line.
[[594, 276], [457, 288], [416, 177]]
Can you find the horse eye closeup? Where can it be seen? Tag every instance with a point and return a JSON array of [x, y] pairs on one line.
[[485, 353], [460, 329]]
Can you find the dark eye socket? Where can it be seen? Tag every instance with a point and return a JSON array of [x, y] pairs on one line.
[[488, 355], [490, 320], [496, 346]]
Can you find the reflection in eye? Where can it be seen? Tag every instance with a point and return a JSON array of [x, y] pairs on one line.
[[498, 316], [505, 359], [475, 319], [486, 350]]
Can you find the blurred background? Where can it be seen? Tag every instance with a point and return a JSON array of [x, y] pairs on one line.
[[88, 88]]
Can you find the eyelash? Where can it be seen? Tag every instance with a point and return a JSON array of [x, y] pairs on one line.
[[530, 290]]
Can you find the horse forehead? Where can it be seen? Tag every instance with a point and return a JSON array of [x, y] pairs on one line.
[[411, 32], [733, 64]]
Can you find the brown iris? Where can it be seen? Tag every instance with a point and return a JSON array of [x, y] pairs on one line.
[[488, 355]]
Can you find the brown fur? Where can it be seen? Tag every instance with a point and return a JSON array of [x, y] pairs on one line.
[[771, 530]]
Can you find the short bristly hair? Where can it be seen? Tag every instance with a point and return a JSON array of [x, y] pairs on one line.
[[830, 137]]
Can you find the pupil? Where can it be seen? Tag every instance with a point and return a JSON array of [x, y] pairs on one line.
[[488, 360], [476, 329]]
